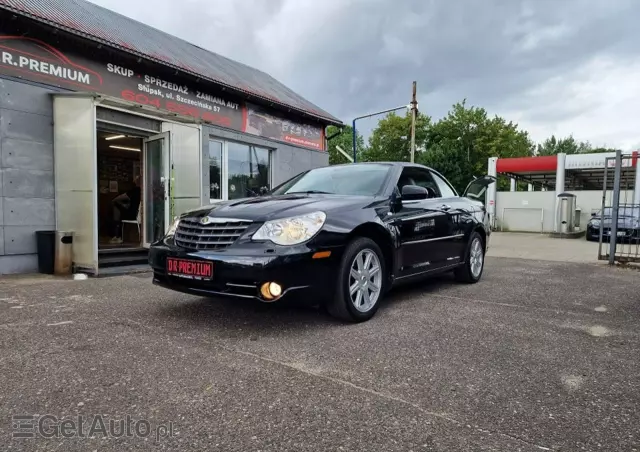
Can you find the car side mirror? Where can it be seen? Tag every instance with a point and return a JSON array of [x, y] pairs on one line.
[[414, 192]]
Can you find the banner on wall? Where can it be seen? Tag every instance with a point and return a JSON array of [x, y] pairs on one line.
[[262, 123], [37, 61]]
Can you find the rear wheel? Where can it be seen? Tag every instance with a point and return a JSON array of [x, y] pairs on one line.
[[471, 271], [361, 282]]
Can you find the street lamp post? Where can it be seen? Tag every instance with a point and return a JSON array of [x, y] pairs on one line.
[[355, 135]]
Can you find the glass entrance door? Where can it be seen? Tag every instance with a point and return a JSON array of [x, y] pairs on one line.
[[216, 187], [156, 200]]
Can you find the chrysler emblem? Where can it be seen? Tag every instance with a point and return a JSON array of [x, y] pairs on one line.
[[204, 220]]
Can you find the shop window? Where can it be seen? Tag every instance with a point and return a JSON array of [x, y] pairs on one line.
[[215, 170], [249, 168]]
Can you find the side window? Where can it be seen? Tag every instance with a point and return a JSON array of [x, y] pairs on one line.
[[445, 189], [420, 177]]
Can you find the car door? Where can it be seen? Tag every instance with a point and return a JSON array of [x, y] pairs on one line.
[[477, 188], [459, 220], [424, 227], [476, 192]]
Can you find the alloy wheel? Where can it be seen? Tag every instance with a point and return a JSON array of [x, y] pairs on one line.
[[476, 258], [365, 280]]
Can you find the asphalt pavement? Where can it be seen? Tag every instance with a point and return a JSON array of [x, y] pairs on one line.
[[537, 356]]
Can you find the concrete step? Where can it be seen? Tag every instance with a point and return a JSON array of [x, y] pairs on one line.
[[124, 270], [122, 260]]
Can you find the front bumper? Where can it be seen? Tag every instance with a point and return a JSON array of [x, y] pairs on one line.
[[240, 273]]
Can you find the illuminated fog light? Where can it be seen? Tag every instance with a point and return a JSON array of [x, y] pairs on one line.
[[264, 290], [270, 290], [275, 289]]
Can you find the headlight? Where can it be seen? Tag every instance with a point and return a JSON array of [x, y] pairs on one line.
[[172, 229], [291, 231]]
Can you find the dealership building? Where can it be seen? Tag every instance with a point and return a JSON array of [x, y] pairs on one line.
[[93, 104]]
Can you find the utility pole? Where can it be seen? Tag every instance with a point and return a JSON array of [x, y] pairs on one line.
[[414, 111]]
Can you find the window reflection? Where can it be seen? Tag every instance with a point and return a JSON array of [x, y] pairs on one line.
[[215, 170], [248, 170]]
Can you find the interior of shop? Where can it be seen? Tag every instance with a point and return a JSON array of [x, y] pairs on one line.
[[119, 190]]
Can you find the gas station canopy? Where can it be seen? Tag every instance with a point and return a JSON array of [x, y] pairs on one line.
[[581, 171]]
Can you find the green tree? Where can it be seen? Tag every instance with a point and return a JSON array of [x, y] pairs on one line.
[[568, 145], [449, 158], [391, 139], [553, 146], [603, 149], [345, 141], [460, 144]]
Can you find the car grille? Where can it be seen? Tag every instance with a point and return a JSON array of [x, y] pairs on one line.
[[218, 234]]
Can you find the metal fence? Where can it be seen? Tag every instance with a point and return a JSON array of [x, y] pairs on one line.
[[619, 216]]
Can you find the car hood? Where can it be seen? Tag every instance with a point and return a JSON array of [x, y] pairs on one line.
[[265, 208]]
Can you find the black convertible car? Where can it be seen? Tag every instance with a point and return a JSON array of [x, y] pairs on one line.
[[340, 235]]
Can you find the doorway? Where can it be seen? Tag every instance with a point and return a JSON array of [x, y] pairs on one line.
[[98, 154], [133, 189], [120, 188]]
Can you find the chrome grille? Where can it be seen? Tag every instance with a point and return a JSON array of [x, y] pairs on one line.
[[217, 234]]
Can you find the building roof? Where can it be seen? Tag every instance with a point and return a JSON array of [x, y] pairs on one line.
[[96, 23]]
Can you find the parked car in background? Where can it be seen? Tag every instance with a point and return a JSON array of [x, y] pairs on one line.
[[342, 235], [628, 223]]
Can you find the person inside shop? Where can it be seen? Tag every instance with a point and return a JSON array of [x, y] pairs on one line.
[[125, 207]]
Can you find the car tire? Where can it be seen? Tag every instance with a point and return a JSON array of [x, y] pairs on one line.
[[358, 307], [471, 271]]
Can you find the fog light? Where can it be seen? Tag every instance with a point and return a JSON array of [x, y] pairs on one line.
[[275, 289], [271, 290]]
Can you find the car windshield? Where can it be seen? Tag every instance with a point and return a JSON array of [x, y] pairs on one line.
[[630, 211], [364, 180]]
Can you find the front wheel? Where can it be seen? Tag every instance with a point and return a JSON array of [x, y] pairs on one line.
[[471, 271], [361, 282]]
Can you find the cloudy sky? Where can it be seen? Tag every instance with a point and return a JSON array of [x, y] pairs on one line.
[[554, 66]]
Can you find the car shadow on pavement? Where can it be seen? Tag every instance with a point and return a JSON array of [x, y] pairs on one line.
[[417, 287], [228, 317]]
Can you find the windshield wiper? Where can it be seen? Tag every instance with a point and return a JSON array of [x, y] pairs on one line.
[[310, 192]]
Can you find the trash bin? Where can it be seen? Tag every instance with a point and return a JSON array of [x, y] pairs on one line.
[[45, 246], [63, 253]]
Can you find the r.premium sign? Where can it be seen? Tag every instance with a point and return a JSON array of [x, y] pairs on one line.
[[37, 61]]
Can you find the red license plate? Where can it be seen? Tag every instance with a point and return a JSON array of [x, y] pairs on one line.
[[187, 268]]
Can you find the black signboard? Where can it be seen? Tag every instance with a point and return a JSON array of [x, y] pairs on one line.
[[38, 61], [263, 123]]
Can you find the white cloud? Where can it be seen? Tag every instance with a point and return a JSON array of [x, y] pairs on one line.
[[597, 102]]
